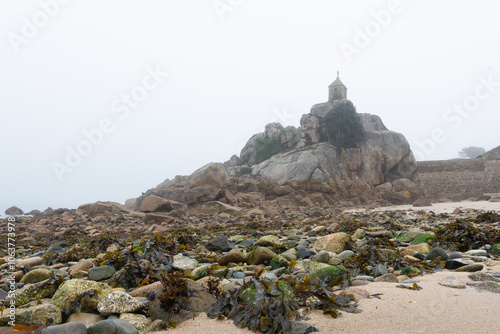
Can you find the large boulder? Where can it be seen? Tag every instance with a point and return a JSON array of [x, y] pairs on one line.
[[311, 168], [156, 203], [97, 208], [205, 183]]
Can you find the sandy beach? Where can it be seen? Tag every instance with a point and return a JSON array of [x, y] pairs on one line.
[[434, 309], [446, 207]]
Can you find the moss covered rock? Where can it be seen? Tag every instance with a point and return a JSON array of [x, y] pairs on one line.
[[87, 293], [332, 273], [39, 275], [37, 291], [423, 238], [495, 249], [279, 261]]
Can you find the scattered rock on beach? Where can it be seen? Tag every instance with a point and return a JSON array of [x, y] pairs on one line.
[[452, 282]]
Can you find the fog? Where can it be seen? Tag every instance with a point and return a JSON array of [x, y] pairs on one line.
[[104, 100]]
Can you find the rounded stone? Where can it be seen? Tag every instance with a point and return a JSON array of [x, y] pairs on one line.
[[101, 273], [435, 253], [112, 326]]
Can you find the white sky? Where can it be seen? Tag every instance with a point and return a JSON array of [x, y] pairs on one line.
[[230, 73]]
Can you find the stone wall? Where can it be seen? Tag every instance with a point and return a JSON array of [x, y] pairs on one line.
[[458, 179]]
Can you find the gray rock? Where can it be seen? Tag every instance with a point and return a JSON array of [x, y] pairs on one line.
[[486, 286], [101, 273], [390, 278], [247, 242], [271, 276], [411, 280], [14, 211], [302, 328], [68, 328], [112, 326], [379, 270], [482, 276], [477, 252], [435, 253], [221, 244], [364, 278], [182, 262], [322, 256], [304, 253], [238, 275], [410, 218], [347, 254], [119, 302], [452, 282], [453, 256], [454, 264]]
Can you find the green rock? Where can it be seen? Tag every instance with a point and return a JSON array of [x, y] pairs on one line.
[[495, 249], [278, 262], [333, 273], [200, 272], [38, 315], [37, 291], [423, 238], [260, 255], [311, 266], [75, 290], [408, 236], [410, 270]]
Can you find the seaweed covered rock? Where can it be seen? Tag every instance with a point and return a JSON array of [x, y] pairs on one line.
[[495, 249], [178, 299]]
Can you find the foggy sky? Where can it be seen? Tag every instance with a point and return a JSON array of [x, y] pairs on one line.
[[171, 85]]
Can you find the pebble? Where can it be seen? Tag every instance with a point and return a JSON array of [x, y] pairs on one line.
[[238, 274]]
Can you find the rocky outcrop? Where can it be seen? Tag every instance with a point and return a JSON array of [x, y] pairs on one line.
[[301, 168], [97, 208], [14, 211]]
